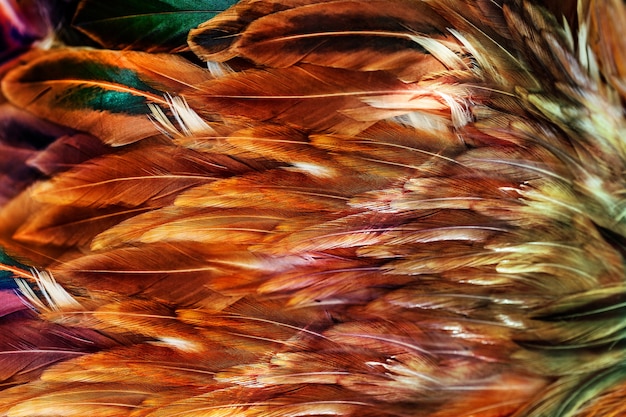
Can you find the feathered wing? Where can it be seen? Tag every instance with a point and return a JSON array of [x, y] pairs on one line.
[[362, 208]]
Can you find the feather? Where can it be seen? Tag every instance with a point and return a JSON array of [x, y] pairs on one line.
[[22, 138], [305, 96], [100, 194], [152, 27], [67, 152], [297, 402], [108, 401], [11, 303], [159, 365], [59, 226], [361, 208], [148, 319], [15, 214], [316, 283], [212, 37], [154, 270], [293, 189], [373, 36], [505, 393], [279, 143], [595, 301], [242, 227], [604, 23], [605, 403], [118, 84], [103, 182], [16, 175], [30, 345]]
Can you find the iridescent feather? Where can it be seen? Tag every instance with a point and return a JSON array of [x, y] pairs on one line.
[[302, 208]]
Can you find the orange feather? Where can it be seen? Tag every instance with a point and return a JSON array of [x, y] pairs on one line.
[[352, 208]]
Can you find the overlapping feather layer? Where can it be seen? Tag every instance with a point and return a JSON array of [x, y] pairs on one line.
[[361, 208]]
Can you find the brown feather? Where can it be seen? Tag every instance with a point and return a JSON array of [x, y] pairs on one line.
[[304, 96], [130, 179], [371, 36], [409, 208], [45, 88]]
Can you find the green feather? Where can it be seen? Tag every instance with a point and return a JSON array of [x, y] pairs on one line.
[[6, 277], [152, 26], [591, 389]]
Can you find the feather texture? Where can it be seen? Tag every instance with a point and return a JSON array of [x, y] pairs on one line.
[[373, 36], [359, 208], [160, 26], [118, 84]]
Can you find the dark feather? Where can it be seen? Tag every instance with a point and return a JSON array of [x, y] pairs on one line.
[[118, 84], [357, 208]]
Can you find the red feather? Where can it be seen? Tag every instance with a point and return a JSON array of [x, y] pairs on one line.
[[352, 208]]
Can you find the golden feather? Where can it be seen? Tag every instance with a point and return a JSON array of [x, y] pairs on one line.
[[352, 208]]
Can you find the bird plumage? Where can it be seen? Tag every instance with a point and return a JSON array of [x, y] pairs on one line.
[[359, 208]]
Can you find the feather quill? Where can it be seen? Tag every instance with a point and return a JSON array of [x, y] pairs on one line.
[[310, 97]]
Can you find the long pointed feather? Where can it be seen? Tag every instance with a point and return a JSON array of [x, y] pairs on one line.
[[78, 86]]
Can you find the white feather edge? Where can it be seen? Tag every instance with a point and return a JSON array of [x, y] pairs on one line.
[[55, 297], [189, 122]]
